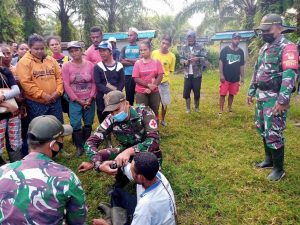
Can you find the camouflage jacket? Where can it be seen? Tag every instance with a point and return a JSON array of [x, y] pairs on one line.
[[186, 54], [36, 190], [139, 132], [275, 72]]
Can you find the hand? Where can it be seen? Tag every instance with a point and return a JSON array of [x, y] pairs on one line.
[[47, 98], [105, 167], [279, 109], [222, 78], [123, 158], [80, 102], [147, 91], [152, 86], [85, 166], [55, 95], [100, 222], [2, 98], [249, 100]]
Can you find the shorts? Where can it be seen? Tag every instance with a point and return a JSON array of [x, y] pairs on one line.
[[232, 88], [164, 92]]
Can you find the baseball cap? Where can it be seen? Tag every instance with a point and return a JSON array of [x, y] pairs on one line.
[[73, 44], [1, 54], [112, 39], [104, 45], [268, 20], [235, 35], [133, 29], [191, 33], [46, 128], [112, 100]]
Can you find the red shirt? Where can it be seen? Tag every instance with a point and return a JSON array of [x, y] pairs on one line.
[[147, 72], [92, 55]]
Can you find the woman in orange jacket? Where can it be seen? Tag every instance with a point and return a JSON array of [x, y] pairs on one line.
[[40, 78]]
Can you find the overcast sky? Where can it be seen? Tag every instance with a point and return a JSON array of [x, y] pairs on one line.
[[160, 7]]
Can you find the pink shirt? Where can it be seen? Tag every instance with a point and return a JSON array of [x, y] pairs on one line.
[[147, 72], [79, 80], [92, 55]]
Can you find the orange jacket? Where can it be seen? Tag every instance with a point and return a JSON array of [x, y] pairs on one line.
[[39, 77]]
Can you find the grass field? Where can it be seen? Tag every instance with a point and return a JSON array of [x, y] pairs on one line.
[[209, 162]]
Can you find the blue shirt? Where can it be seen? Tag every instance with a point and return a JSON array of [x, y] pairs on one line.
[[130, 52]]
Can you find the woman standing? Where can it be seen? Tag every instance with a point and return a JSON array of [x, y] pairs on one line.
[[109, 76], [147, 74], [40, 78], [80, 86], [9, 115]]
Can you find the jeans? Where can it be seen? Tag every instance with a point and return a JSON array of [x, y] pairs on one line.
[[77, 113]]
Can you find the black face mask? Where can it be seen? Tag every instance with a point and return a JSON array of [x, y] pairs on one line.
[[269, 38], [60, 147]]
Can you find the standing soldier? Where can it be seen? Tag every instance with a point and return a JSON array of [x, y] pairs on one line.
[[193, 58], [272, 83]]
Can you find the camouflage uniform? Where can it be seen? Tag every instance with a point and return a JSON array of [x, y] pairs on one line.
[[139, 132], [37, 190], [272, 82]]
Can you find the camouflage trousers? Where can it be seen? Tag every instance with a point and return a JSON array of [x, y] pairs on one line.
[[270, 126]]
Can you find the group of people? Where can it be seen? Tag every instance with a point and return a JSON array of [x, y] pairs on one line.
[[37, 88]]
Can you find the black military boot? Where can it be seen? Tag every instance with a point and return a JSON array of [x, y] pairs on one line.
[[15, 155], [2, 161], [278, 159], [268, 162], [78, 141], [87, 130]]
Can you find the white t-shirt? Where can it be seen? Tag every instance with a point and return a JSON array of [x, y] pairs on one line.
[[156, 204], [191, 66]]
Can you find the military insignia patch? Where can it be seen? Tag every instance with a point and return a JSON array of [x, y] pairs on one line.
[[290, 57], [153, 124]]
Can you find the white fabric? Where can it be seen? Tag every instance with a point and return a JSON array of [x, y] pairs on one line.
[[14, 91], [156, 205], [191, 66]]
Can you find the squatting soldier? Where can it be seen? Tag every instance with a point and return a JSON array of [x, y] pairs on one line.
[[272, 83], [37, 190], [135, 128]]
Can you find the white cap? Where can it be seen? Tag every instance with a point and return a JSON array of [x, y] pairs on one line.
[[133, 29], [112, 39]]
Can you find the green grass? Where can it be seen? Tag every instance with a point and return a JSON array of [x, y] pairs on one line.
[[209, 162]]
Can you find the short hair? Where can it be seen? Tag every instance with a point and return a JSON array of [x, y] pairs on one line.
[[95, 29], [147, 43], [23, 43], [57, 38], [35, 38], [146, 164], [167, 37]]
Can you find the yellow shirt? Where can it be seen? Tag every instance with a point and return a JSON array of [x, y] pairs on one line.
[[168, 62]]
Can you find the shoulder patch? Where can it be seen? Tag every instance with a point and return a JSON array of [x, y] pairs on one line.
[[153, 124], [290, 57]]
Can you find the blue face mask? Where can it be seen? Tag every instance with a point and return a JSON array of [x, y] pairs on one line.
[[120, 117]]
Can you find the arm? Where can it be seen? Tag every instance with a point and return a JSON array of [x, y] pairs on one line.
[[93, 91], [183, 59], [14, 92], [100, 80], [76, 210], [67, 85], [222, 78], [172, 64], [121, 79], [59, 81], [160, 73], [123, 60], [136, 75]]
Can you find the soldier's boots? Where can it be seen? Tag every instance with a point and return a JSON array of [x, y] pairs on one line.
[[87, 130], [197, 103], [106, 209], [15, 155], [78, 141], [2, 161], [188, 105], [278, 159], [268, 162]]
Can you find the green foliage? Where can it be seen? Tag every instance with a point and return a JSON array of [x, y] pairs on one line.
[[10, 22], [209, 161]]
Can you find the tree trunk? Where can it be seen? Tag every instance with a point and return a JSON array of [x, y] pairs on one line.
[[65, 31], [112, 17]]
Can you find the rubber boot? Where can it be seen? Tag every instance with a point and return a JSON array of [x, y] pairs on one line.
[[278, 159], [78, 141], [268, 162], [197, 103], [106, 209], [2, 161], [14, 155], [87, 130], [118, 216], [188, 105]]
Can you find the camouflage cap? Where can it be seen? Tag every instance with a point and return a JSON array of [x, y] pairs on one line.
[[268, 20], [47, 128], [112, 100]]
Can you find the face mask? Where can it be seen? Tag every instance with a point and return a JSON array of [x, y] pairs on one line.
[[269, 38], [60, 147], [120, 117]]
